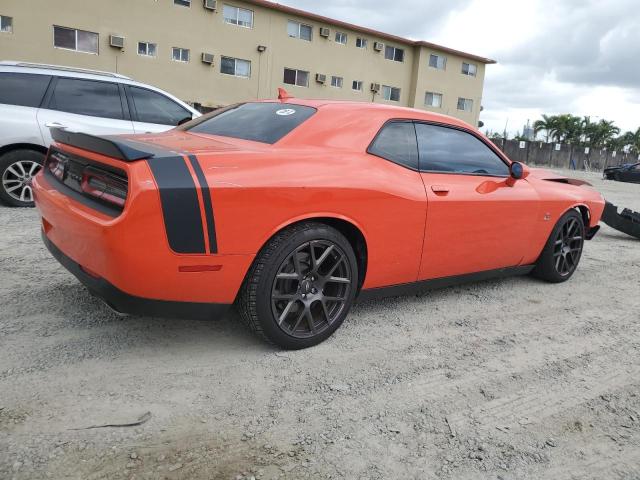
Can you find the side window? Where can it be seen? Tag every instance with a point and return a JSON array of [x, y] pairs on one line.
[[87, 97], [449, 150], [24, 89], [397, 142], [153, 107]]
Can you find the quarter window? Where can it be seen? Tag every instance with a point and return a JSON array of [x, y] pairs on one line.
[[153, 107], [465, 104], [180, 54], [397, 142], [6, 24], [299, 30], [235, 66], [393, 53], [469, 69], [147, 49], [238, 16], [437, 61], [455, 151], [341, 38], [24, 89], [182, 3], [296, 77], [361, 42], [433, 100], [72, 39], [357, 85], [337, 82], [87, 97], [391, 93]]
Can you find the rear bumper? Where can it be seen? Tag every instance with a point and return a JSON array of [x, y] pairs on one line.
[[124, 303]]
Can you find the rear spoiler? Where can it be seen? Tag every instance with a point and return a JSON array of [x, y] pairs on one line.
[[110, 145]]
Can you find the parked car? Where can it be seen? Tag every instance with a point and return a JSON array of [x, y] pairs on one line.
[[293, 208], [35, 97], [629, 172]]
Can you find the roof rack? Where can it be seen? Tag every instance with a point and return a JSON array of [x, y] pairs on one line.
[[64, 69]]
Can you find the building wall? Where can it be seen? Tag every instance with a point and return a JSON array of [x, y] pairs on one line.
[[199, 30]]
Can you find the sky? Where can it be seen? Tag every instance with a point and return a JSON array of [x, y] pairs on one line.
[[554, 56]]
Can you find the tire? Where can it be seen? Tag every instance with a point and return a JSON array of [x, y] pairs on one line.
[[17, 167], [300, 287], [563, 250]]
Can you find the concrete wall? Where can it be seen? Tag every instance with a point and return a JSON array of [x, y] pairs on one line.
[[545, 154], [200, 30]]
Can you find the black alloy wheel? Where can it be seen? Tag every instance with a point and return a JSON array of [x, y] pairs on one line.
[[568, 246]]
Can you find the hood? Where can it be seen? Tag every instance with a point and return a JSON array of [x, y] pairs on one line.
[[548, 175]]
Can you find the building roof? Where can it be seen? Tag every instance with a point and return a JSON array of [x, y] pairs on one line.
[[369, 31]]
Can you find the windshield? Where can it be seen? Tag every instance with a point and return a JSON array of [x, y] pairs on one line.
[[260, 122]]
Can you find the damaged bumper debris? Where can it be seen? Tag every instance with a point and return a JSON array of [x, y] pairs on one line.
[[627, 221]]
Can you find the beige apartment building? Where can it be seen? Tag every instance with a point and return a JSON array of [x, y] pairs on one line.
[[225, 51]]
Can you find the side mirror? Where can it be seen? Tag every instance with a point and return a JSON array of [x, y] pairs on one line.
[[517, 171]]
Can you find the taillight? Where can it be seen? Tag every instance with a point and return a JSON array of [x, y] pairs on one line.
[[56, 165], [104, 186]]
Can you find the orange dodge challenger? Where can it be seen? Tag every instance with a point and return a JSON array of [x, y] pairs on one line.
[[291, 209]]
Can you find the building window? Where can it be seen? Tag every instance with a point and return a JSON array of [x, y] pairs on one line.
[[238, 16], [337, 81], [147, 49], [432, 99], [465, 104], [180, 54], [469, 69], [235, 66], [361, 42], [341, 38], [357, 85], [299, 30], [6, 24], [182, 3], [437, 61], [393, 53], [72, 39], [296, 77], [391, 93]]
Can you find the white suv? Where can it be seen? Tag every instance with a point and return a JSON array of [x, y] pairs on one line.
[[34, 98]]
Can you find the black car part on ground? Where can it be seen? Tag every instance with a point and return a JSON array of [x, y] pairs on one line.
[[627, 221]]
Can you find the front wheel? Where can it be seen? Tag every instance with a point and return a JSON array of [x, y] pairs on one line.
[[17, 168], [301, 286], [563, 250]]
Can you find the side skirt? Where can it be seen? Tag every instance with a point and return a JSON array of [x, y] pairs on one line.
[[414, 288]]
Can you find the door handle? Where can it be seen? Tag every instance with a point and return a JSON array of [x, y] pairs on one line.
[[440, 189], [54, 125]]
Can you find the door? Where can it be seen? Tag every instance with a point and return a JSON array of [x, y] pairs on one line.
[[82, 105], [153, 112], [478, 219]]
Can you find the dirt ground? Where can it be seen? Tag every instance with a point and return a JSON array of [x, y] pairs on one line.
[[505, 379]]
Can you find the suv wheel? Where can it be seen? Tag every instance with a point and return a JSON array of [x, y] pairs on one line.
[[17, 168]]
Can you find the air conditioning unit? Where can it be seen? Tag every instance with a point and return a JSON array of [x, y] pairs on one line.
[[321, 78], [375, 87], [210, 5], [325, 32], [378, 46], [207, 58], [116, 41]]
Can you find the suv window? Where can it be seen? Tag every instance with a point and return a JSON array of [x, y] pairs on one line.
[[87, 97], [260, 122], [153, 107], [24, 89], [397, 142], [445, 149]]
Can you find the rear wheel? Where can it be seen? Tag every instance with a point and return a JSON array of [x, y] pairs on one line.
[[300, 287], [563, 250], [17, 168]]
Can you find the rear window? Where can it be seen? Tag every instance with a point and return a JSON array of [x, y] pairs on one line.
[[24, 89], [260, 122]]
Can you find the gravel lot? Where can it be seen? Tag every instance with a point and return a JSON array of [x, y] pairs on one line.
[[502, 380]]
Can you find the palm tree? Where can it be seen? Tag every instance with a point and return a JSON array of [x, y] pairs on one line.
[[547, 124]]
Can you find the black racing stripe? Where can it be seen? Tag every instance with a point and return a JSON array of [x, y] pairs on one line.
[[180, 206], [206, 198]]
